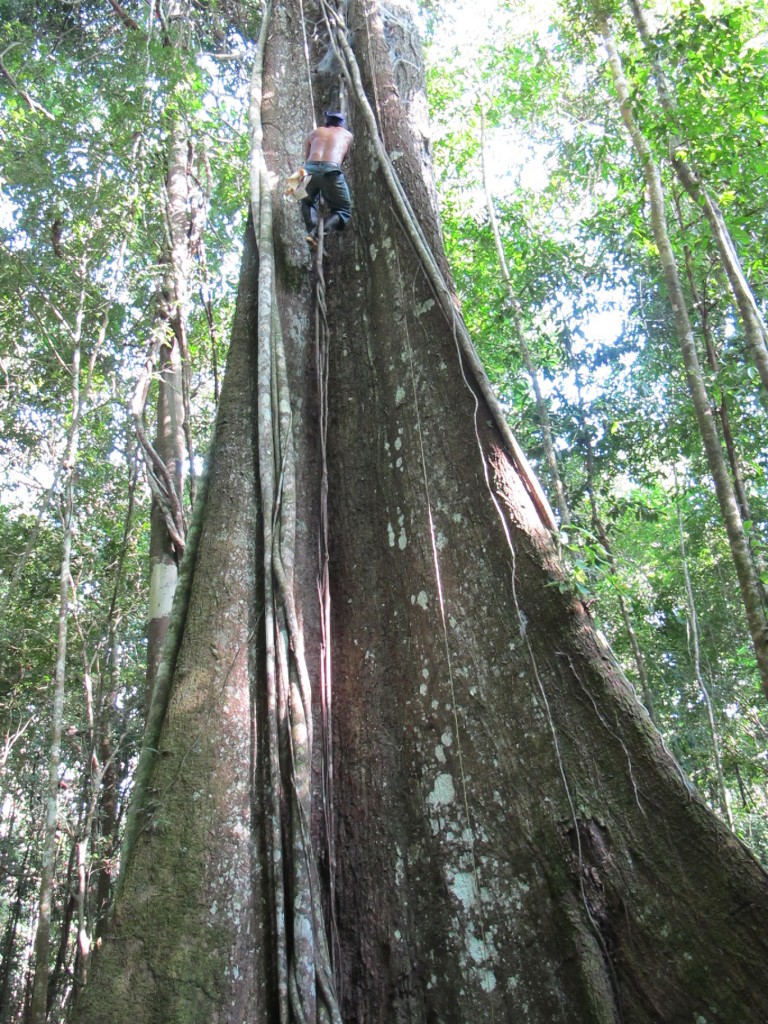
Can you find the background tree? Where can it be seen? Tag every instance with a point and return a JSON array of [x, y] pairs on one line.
[[570, 210], [83, 233], [452, 836]]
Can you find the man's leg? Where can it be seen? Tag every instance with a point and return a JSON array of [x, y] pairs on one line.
[[309, 211], [336, 193], [333, 223]]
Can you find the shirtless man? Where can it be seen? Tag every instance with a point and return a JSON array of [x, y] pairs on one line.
[[326, 149]]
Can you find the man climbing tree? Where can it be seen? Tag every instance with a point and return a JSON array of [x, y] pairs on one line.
[[326, 150], [390, 773]]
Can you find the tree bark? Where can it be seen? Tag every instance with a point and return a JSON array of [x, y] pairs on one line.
[[739, 487], [702, 306], [509, 838], [39, 999], [164, 553], [186, 941]]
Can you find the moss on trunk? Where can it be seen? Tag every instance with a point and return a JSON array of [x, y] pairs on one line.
[[511, 840]]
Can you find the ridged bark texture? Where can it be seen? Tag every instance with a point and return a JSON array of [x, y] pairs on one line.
[[510, 840], [513, 841], [185, 943]]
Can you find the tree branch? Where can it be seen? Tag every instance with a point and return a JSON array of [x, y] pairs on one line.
[[33, 105], [124, 16]]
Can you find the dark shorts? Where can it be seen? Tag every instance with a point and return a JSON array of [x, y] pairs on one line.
[[328, 181]]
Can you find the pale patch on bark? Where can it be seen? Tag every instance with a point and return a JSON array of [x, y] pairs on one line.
[[443, 791], [162, 586]]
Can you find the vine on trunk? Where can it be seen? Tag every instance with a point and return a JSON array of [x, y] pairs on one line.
[[306, 989]]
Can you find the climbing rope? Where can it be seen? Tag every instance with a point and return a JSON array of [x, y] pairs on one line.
[[323, 585]]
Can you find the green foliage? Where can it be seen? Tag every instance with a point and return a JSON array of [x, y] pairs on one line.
[[86, 131], [573, 217]]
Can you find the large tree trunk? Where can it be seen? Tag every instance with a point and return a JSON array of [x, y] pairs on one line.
[[509, 838]]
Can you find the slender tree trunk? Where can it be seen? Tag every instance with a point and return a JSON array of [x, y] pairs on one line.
[[9, 944], [80, 393], [38, 1007], [106, 840], [42, 939], [172, 418], [509, 838], [751, 591], [56, 980], [702, 307], [602, 535], [213, 332], [690, 179], [693, 621], [78, 875], [542, 411], [183, 214], [106, 836], [164, 554], [71, 440], [737, 476]]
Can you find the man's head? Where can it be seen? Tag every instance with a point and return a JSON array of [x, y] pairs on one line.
[[333, 119]]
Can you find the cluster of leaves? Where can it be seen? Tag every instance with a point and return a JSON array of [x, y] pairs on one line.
[[584, 273], [91, 97]]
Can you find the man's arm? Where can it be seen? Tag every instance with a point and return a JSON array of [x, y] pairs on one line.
[[350, 137]]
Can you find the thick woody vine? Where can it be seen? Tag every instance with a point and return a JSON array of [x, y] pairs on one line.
[[304, 971]]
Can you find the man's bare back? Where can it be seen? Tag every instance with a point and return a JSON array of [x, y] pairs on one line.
[[325, 152], [328, 145]]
